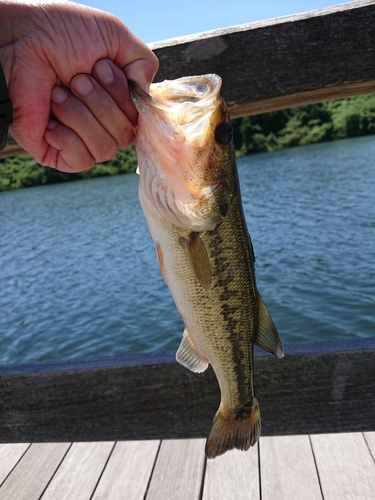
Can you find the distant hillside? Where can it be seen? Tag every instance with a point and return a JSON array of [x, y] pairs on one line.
[[327, 121], [23, 171]]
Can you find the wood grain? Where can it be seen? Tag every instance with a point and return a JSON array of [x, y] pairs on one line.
[[178, 471], [370, 440], [10, 454], [318, 387], [345, 466], [128, 470], [33, 473], [79, 472], [279, 63], [288, 468], [233, 476], [11, 149]]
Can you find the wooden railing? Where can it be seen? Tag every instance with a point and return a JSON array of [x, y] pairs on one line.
[[318, 387], [279, 63]]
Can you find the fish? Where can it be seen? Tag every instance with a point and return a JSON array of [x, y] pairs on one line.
[[190, 194]]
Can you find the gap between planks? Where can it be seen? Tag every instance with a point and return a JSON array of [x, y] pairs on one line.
[[329, 466]]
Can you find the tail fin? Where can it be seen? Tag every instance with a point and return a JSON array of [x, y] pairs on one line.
[[229, 433]]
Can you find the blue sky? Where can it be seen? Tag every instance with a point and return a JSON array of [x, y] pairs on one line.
[[154, 20]]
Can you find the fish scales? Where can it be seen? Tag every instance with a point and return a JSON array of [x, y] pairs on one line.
[[227, 308], [233, 290], [190, 196]]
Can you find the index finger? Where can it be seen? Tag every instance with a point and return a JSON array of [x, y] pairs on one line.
[[114, 81], [132, 55]]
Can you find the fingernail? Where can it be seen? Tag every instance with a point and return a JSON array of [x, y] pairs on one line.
[[82, 84], [58, 95], [104, 72], [51, 124]]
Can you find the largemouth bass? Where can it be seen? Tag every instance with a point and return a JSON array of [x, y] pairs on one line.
[[190, 195]]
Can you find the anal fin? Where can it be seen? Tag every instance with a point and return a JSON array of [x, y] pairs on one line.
[[188, 355], [267, 336]]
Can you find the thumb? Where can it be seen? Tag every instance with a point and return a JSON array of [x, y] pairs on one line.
[[142, 71]]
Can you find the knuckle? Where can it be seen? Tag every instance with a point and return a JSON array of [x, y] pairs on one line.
[[126, 139], [106, 151]]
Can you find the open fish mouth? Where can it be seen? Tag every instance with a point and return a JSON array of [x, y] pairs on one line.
[[138, 93], [178, 146], [185, 100], [188, 89]]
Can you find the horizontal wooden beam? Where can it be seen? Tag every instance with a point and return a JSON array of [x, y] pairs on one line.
[[279, 63], [11, 149], [318, 387]]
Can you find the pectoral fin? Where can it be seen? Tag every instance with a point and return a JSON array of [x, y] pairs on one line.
[[159, 254], [198, 258], [188, 355], [267, 336]]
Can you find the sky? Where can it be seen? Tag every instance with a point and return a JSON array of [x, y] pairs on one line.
[[155, 20]]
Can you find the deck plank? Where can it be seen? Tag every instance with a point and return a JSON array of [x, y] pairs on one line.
[[370, 440], [288, 469], [344, 463], [80, 471], [128, 470], [10, 454], [34, 471], [234, 475], [178, 471], [345, 466]]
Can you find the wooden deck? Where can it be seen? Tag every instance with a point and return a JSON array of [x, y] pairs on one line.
[[320, 466]]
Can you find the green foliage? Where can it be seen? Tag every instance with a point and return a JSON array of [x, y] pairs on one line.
[[353, 117], [326, 121], [23, 171], [304, 125]]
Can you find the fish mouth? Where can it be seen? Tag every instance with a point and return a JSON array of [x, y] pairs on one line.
[[138, 93], [185, 100], [181, 178]]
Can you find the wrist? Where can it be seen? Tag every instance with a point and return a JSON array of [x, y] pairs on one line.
[[6, 111], [11, 17]]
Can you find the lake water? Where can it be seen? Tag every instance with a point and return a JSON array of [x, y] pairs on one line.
[[79, 275]]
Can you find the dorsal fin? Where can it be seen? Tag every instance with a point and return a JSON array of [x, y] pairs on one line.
[[267, 336]]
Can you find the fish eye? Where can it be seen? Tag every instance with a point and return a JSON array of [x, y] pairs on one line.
[[224, 134], [201, 88]]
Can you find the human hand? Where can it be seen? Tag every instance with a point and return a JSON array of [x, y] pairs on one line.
[[67, 68]]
